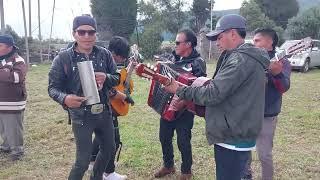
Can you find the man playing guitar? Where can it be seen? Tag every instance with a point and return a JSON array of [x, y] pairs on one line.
[[119, 47]]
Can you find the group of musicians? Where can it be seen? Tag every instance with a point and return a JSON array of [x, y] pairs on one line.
[[234, 99]]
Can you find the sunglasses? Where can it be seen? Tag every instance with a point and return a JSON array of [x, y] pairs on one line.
[[84, 32], [178, 43]]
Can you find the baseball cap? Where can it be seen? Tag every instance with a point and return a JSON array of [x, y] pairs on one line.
[[7, 39], [226, 22], [83, 20]]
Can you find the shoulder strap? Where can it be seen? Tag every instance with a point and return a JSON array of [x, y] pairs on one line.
[[67, 60]]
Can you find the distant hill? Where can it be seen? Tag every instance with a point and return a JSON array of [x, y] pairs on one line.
[[306, 4], [303, 5], [224, 12]]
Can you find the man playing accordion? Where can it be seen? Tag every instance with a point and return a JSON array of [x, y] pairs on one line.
[[187, 58]]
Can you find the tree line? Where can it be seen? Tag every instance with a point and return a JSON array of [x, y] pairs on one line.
[[146, 22]]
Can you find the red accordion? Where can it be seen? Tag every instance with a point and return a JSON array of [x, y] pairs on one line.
[[159, 99]]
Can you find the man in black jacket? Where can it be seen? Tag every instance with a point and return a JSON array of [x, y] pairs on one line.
[[189, 59], [65, 88]]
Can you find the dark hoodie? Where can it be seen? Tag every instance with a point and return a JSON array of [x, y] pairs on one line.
[[194, 62], [234, 98], [276, 86]]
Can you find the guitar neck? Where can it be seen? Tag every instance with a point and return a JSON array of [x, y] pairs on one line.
[[164, 80], [279, 56], [129, 71]]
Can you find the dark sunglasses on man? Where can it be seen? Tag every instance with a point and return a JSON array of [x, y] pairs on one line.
[[179, 42], [82, 32]]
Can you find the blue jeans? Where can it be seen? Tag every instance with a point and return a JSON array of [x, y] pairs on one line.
[[230, 164]]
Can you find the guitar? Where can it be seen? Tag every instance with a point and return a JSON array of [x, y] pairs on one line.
[[301, 45], [121, 108], [176, 104]]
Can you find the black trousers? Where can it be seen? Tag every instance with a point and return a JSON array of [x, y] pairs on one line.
[[183, 126], [110, 168], [101, 125]]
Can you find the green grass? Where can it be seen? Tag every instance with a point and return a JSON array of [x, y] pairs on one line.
[[50, 147]]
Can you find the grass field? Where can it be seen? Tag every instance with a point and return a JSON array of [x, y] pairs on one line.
[[50, 147]]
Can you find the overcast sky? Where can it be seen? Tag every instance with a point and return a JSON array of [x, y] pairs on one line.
[[65, 11]]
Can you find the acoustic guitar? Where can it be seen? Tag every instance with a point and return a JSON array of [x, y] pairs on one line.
[[295, 48], [121, 108]]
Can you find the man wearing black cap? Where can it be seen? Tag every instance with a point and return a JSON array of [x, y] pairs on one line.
[[65, 88], [12, 98], [234, 98]]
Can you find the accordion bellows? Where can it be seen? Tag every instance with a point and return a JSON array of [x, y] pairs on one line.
[[158, 98]]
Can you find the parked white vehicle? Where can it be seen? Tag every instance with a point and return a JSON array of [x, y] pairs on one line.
[[305, 59]]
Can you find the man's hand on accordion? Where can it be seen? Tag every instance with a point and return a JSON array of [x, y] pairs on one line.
[[173, 86]]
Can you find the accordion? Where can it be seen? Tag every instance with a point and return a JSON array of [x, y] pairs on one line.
[[161, 100]]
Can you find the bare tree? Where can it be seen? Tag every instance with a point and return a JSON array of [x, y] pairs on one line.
[[25, 33]]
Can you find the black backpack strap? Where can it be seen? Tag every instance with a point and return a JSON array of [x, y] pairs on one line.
[[67, 68], [67, 61]]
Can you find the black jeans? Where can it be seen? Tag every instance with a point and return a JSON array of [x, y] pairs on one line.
[[230, 164], [95, 146], [183, 126], [101, 125]]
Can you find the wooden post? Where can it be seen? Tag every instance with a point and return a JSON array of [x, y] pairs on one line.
[[30, 18], [3, 28], [40, 37], [49, 49], [25, 33]]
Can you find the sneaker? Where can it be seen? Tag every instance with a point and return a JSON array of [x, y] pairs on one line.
[[90, 167], [114, 176], [164, 171]]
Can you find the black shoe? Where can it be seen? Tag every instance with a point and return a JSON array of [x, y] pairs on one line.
[[4, 150], [16, 156], [247, 177]]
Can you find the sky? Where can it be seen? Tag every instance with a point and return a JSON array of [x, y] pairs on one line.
[[64, 13]]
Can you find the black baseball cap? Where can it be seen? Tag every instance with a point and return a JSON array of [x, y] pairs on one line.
[[7, 39], [226, 22], [84, 20]]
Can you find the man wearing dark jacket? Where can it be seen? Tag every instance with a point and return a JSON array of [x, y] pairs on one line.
[[278, 83], [189, 59], [234, 98], [65, 88], [12, 98]]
